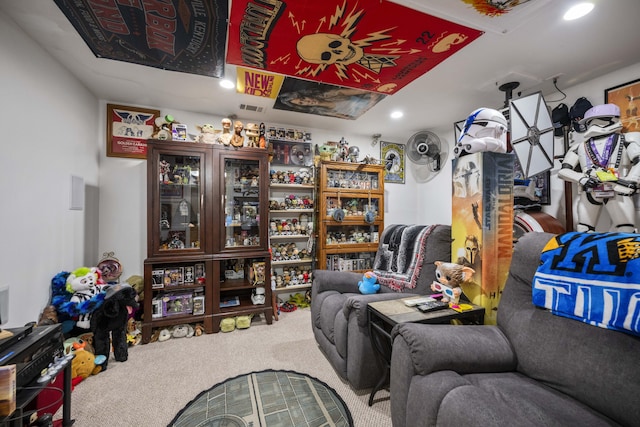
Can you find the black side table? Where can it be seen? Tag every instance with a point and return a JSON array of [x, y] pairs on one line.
[[384, 315]]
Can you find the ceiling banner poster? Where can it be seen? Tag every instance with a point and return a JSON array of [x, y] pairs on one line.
[[377, 46], [175, 35]]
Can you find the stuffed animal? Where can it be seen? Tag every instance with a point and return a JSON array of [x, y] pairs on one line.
[[450, 276], [368, 283], [134, 334], [76, 295], [49, 316], [85, 364], [182, 331], [110, 321], [137, 283]]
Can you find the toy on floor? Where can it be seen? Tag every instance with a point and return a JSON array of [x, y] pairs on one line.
[[85, 364], [368, 283], [450, 276], [76, 295], [134, 332], [182, 331], [109, 321]]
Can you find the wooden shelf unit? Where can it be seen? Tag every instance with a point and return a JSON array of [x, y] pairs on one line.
[[349, 241]]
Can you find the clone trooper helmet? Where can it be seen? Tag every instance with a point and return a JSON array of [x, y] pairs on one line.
[[484, 130], [601, 120], [257, 296]]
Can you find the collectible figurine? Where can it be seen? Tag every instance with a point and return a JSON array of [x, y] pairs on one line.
[[450, 276], [484, 130], [605, 165], [237, 140], [225, 137]]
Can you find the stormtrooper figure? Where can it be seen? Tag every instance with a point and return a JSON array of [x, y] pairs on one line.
[[257, 296], [605, 165], [484, 130]]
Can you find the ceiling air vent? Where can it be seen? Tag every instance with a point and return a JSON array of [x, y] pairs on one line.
[[251, 108]]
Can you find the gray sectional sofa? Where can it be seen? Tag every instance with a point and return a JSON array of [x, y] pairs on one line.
[[533, 368], [339, 310]]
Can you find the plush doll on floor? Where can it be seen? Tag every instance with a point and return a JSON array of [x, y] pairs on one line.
[[109, 322], [76, 295]]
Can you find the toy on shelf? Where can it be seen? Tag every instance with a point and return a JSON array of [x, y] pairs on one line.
[[224, 138], [450, 276], [208, 134], [484, 130], [237, 140]]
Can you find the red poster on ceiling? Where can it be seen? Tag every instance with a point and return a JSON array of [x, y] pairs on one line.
[[372, 45]]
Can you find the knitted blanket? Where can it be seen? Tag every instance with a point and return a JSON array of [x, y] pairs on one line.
[[592, 277], [400, 255]]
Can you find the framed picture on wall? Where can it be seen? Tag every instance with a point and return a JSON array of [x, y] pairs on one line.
[[128, 129], [392, 156], [627, 97]]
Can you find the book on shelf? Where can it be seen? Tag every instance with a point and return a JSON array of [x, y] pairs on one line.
[[229, 302]]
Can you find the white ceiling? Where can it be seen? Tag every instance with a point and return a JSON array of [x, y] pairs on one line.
[[537, 46]]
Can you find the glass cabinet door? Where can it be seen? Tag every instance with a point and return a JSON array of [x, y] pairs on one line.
[[241, 201], [180, 192]]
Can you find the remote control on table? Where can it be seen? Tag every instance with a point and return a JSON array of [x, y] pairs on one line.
[[433, 306]]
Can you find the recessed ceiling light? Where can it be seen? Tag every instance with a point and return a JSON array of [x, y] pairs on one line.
[[578, 11], [397, 114], [227, 84]]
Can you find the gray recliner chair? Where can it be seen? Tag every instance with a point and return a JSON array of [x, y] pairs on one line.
[[339, 310], [533, 368]]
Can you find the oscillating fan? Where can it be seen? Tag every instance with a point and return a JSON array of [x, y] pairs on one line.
[[428, 153]]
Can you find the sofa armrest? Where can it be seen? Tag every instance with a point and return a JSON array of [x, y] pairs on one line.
[[339, 281], [461, 348]]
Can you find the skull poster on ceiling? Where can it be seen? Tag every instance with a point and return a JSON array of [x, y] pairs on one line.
[[376, 46]]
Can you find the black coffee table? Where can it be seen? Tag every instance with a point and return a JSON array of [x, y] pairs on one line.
[[384, 315]]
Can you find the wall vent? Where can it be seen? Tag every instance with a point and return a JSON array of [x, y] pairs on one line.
[[248, 107]]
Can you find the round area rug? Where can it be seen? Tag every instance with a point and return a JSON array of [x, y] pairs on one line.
[[266, 399]]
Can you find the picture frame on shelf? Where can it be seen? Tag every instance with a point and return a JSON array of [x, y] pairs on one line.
[[392, 156], [128, 129], [627, 97]]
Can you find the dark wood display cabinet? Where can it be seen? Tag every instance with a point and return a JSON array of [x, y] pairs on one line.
[[207, 222], [350, 215]]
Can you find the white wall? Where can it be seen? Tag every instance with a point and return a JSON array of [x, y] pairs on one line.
[[49, 133]]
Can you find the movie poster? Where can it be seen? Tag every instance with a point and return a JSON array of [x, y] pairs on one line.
[[257, 83], [376, 46], [304, 96], [175, 35]]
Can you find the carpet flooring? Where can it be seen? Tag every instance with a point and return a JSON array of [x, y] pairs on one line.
[[161, 378], [268, 399]]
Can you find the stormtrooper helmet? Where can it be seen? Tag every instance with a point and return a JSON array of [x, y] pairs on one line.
[[601, 120], [257, 296], [484, 130]]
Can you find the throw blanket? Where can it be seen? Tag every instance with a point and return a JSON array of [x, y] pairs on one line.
[[592, 277], [400, 255]]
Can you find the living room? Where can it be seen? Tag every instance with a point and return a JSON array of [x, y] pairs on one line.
[[67, 122]]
